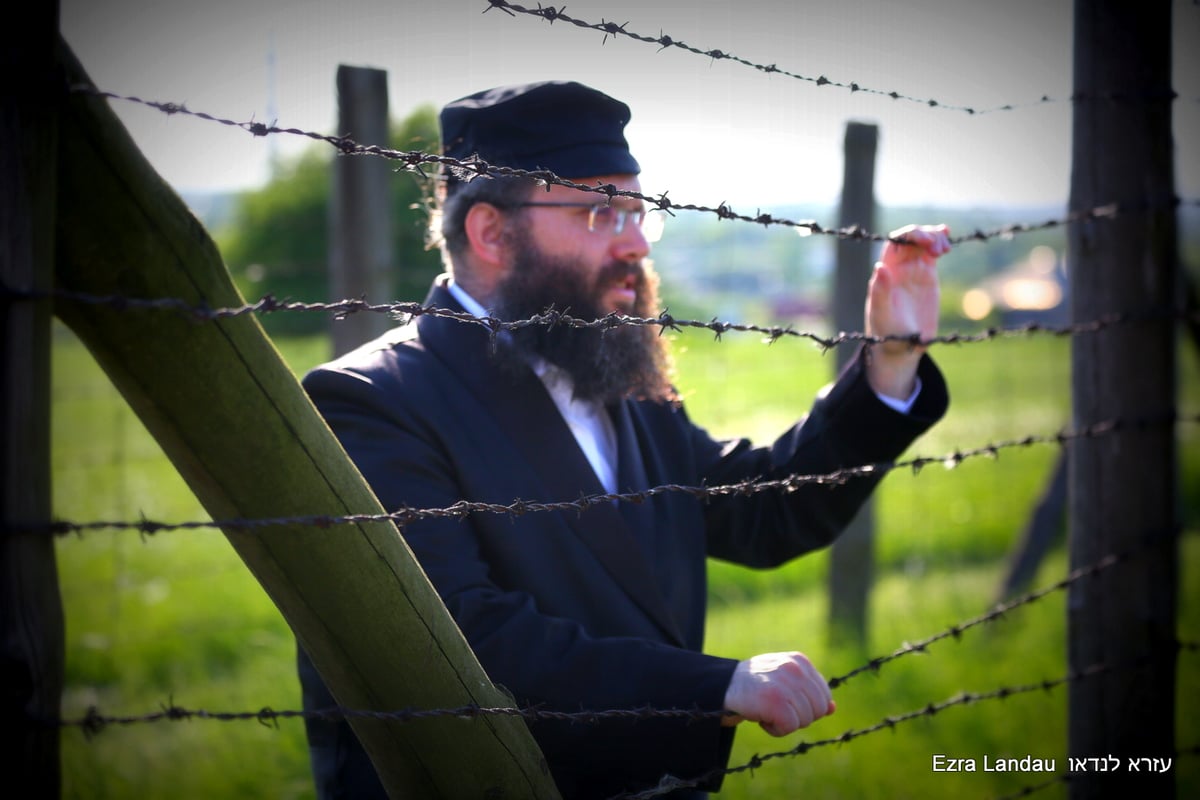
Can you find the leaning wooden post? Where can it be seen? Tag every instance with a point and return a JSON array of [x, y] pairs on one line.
[[361, 249], [852, 557], [239, 428], [31, 617], [1123, 494]]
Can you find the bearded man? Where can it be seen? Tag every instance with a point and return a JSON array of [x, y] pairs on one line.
[[601, 609]]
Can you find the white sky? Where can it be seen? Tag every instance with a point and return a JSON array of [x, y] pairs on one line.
[[706, 131]]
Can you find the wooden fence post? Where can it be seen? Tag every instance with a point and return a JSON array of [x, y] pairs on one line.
[[1123, 492], [241, 431], [31, 621], [851, 565], [361, 250]]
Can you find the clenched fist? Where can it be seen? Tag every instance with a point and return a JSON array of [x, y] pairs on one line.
[[782, 692]]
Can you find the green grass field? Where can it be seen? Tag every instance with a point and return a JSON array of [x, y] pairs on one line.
[[174, 618]]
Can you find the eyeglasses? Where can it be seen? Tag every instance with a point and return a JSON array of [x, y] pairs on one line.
[[609, 219]]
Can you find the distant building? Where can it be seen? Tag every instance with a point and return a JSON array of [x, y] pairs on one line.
[[1030, 291]]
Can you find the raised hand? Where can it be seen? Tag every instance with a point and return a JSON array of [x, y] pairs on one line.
[[902, 300]]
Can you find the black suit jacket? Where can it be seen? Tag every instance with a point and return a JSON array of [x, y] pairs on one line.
[[600, 609]]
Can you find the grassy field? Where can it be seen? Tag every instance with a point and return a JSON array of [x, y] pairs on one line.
[[175, 618]]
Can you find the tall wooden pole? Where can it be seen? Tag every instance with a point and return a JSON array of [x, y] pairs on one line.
[[31, 620], [361, 252], [1123, 494], [852, 557]]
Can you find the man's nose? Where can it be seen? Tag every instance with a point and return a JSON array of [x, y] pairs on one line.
[[630, 245]]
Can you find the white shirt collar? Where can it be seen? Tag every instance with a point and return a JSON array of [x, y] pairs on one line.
[[469, 304]]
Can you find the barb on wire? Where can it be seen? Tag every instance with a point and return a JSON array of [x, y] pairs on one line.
[[551, 317], [551, 14], [464, 508], [469, 169], [670, 784]]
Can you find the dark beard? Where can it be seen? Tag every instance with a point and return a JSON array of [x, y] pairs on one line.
[[604, 365]]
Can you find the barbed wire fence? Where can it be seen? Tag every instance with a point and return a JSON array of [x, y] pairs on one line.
[[94, 722]]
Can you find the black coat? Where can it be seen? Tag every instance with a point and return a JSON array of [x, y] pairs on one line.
[[600, 609]]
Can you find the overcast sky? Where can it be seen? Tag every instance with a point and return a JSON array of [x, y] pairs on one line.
[[706, 131]]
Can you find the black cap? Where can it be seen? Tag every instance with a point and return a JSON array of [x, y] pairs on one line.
[[562, 126]]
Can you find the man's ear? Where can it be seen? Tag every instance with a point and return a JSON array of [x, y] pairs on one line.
[[485, 227]]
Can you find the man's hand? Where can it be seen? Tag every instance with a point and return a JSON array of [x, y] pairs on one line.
[[902, 300], [782, 692]]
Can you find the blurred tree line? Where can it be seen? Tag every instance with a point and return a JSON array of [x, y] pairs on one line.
[[278, 240]]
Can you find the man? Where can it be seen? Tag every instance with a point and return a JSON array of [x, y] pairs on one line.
[[602, 609]]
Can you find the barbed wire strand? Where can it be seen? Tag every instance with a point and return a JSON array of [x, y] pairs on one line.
[[551, 15], [1152, 539], [93, 722], [469, 169], [407, 311], [463, 508]]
